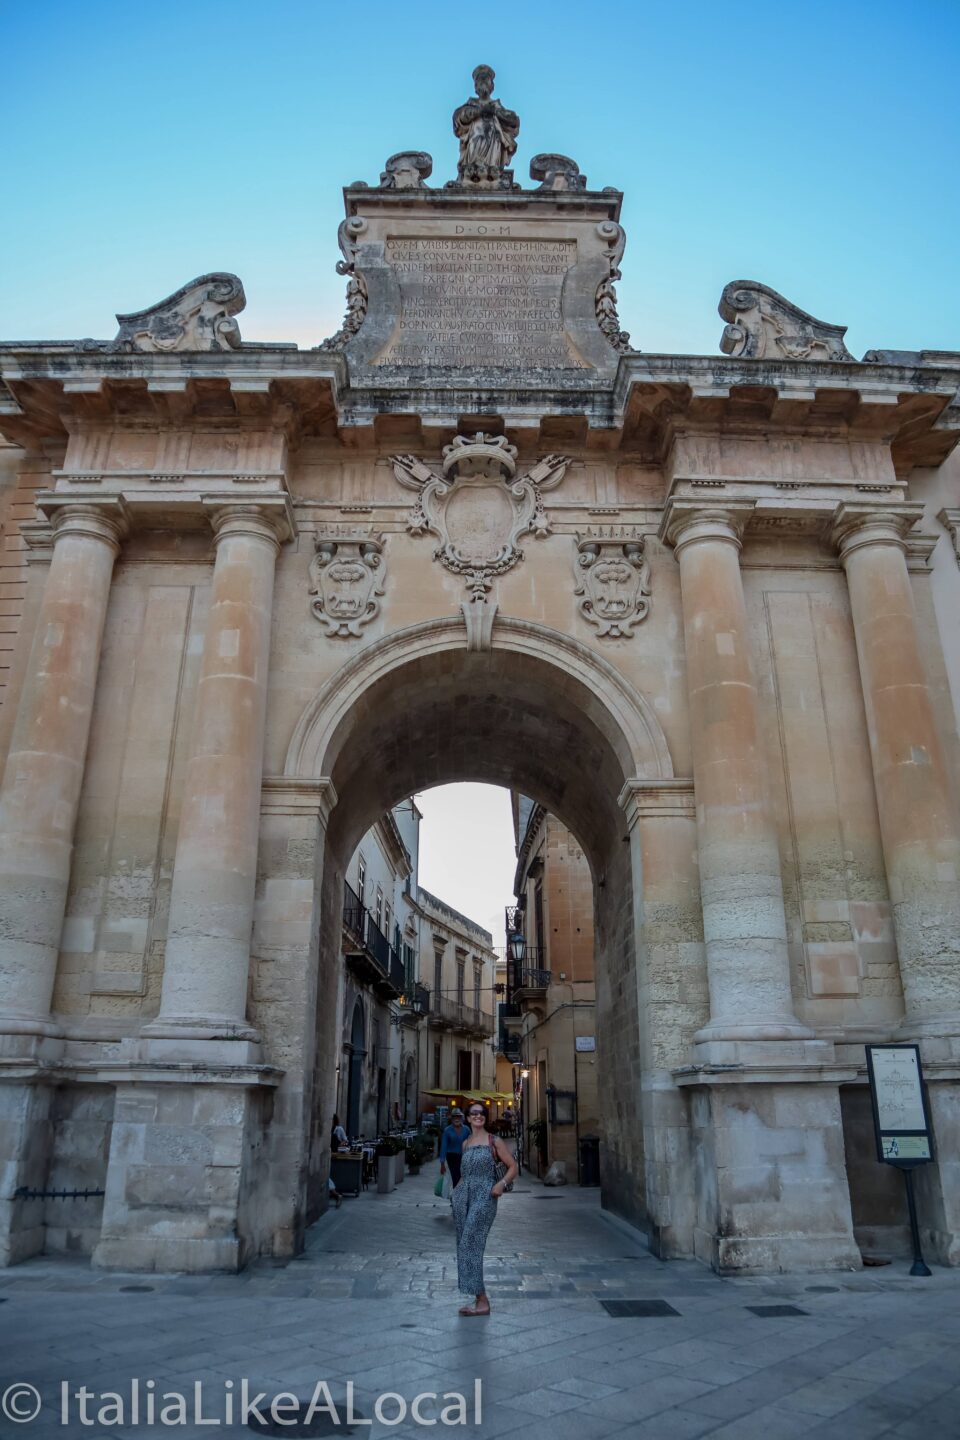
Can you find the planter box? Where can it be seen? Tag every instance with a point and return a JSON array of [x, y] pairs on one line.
[[386, 1174], [390, 1171]]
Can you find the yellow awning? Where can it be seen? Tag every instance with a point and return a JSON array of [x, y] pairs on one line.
[[468, 1095]]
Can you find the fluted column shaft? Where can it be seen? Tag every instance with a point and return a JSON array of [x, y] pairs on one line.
[[741, 889], [44, 771], [918, 826], [204, 992]]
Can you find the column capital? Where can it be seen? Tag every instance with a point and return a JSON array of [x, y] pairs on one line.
[[664, 799], [687, 520], [269, 520], [106, 519], [859, 523], [291, 795]]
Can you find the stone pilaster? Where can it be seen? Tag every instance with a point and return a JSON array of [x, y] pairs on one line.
[[918, 827], [672, 998], [744, 925], [204, 995], [44, 771]]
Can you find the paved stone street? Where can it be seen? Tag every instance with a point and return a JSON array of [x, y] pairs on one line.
[[374, 1301]]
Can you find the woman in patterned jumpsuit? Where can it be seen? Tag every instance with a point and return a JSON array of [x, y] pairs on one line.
[[475, 1205]]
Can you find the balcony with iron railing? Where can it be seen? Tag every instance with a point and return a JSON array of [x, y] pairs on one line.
[[367, 950], [529, 976], [414, 1002], [509, 1044], [447, 1012]]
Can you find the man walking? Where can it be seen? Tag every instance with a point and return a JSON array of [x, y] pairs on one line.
[[451, 1146]]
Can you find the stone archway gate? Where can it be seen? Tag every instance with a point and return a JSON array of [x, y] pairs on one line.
[[717, 566]]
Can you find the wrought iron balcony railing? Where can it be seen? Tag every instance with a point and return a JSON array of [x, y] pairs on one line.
[[529, 974], [366, 946]]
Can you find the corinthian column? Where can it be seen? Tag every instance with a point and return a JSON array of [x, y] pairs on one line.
[[204, 992], [44, 770], [743, 918], [921, 846]]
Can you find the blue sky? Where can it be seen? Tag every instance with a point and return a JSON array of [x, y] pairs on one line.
[[810, 146]]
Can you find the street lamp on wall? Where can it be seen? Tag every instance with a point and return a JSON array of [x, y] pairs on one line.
[[518, 946]]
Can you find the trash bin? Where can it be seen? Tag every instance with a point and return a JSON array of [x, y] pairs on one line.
[[589, 1159]]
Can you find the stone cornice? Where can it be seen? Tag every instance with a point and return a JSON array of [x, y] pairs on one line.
[[50, 388], [185, 508], [951, 520], [392, 842]]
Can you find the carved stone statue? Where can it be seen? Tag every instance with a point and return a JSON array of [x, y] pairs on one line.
[[488, 135]]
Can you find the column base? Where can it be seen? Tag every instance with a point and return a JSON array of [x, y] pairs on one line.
[[196, 1050], [200, 1027], [751, 1052], [785, 1027], [29, 1025]]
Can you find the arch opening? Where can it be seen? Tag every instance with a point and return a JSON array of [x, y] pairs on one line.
[[405, 717]]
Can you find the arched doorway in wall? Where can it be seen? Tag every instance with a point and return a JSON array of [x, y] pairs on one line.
[[358, 1050], [537, 712]]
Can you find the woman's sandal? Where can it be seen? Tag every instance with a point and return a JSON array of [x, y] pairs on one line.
[[472, 1310]]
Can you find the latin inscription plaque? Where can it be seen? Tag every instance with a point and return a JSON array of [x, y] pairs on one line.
[[470, 301]]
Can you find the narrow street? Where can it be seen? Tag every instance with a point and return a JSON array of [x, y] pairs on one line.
[[374, 1300]]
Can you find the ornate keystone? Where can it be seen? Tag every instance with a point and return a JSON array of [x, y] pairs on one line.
[[347, 578]]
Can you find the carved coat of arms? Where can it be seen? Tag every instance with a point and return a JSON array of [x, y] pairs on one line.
[[477, 508], [613, 582], [346, 579]]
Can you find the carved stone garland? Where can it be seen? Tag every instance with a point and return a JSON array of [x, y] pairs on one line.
[[615, 239], [348, 235], [347, 577], [613, 581], [479, 512]]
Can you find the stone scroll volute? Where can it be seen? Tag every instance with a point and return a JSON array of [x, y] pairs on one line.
[[612, 581], [198, 316], [347, 575]]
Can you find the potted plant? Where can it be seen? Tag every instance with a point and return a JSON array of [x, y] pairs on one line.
[[419, 1152], [390, 1158]]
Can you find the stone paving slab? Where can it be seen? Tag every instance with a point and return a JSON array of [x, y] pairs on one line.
[[373, 1301]]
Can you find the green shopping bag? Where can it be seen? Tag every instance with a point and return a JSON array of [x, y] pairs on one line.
[[438, 1186]]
